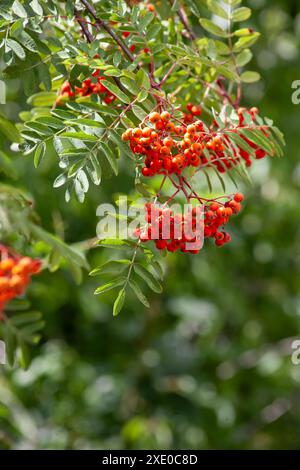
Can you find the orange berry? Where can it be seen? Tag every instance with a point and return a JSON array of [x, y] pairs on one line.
[[159, 125], [169, 127], [239, 197], [154, 117], [168, 141], [191, 129], [165, 150], [165, 116], [137, 132], [7, 264], [146, 131]]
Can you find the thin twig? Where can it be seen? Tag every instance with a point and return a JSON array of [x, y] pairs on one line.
[[184, 20], [108, 29], [89, 37]]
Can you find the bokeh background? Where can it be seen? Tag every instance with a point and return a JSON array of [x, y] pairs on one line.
[[209, 365]]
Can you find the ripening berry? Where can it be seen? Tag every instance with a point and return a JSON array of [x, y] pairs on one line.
[[154, 117], [239, 197], [169, 126], [191, 129], [146, 132], [214, 206], [146, 172], [196, 110], [165, 116], [228, 212], [168, 142], [7, 264]]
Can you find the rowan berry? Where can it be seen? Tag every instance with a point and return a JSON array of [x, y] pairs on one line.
[[239, 197], [154, 117], [165, 116]]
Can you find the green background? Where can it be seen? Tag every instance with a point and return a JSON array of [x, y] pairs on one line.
[[209, 365]]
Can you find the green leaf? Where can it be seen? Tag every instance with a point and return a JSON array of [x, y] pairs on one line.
[[24, 358], [109, 156], [38, 127], [51, 122], [9, 129], [119, 302], [245, 42], [10, 344], [241, 14], [16, 48], [111, 266], [213, 28], [45, 76], [112, 242], [36, 7], [244, 57], [2, 92], [250, 77], [143, 80], [116, 91], [39, 154], [139, 112], [145, 21], [27, 41], [23, 318], [18, 9], [215, 7], [60, 180], [148, 278], [124, 149], [109, 286], [138, 292], [95, 170], [243, 32], [79, 136], [41, 99], [130, 85]]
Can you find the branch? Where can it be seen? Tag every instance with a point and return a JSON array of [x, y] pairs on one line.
[[89, 37], [85, 30], [184, 20], [108, 29]]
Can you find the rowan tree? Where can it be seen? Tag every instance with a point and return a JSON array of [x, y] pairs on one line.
[[154, 89]]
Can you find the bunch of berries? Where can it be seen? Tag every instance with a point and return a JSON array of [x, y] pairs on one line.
[[88, 87], [191, 113], [15, 275], [217, 144], [168, 147], [186, 232]]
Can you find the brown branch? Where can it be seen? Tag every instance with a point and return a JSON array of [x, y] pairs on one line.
[[85, 30], [89, 37], [184, 20], [108, 29]]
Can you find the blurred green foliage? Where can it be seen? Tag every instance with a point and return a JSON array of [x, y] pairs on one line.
[[209, 365]]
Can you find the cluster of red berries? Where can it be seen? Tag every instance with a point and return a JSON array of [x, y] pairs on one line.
[[15, 275], [191, 113], [88, 87], [218, 143], [186, 232], [168, 147]]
